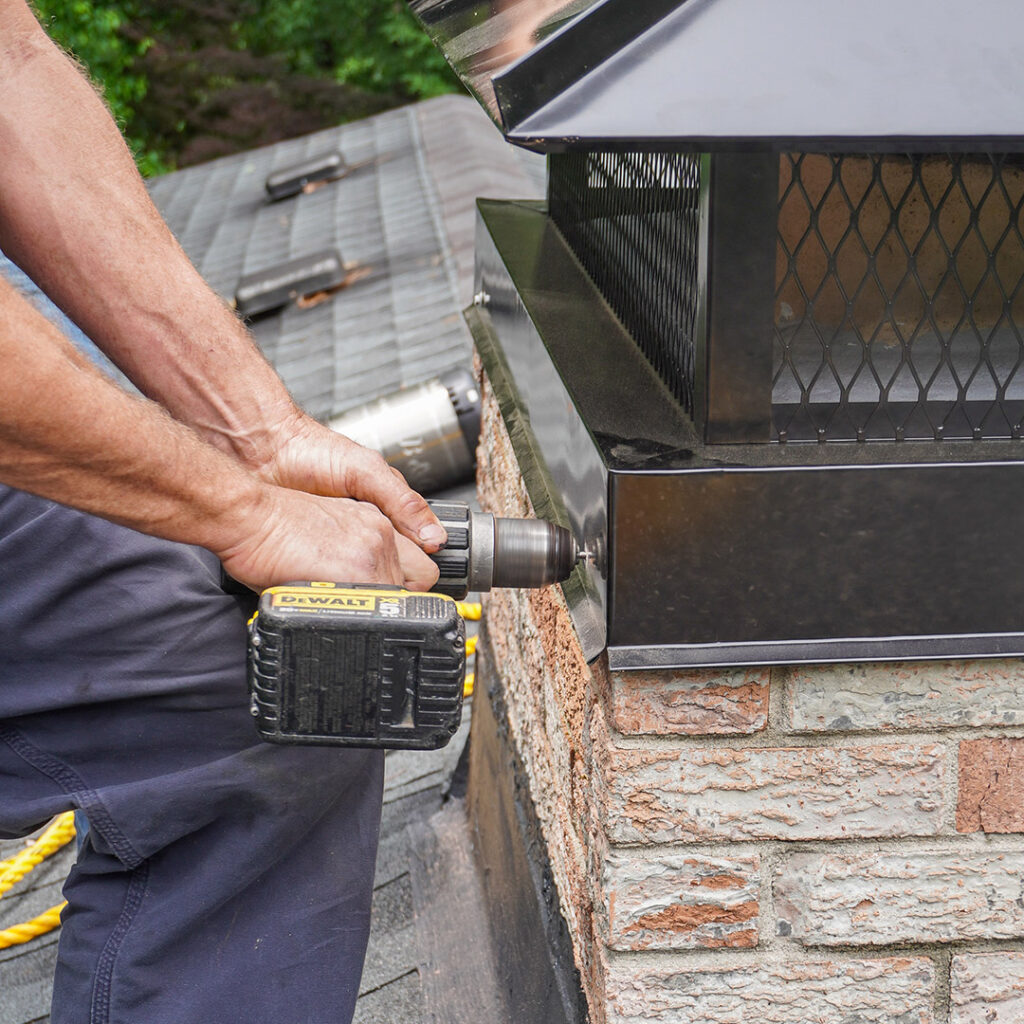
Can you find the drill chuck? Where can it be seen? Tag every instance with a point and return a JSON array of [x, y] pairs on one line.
[[485, 551]]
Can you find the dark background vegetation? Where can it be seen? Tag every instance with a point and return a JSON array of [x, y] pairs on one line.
[[197, 79]]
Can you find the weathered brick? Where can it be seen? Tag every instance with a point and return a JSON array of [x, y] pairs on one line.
[[875, 898], [991, 786], [909, 695], [679, 901], [688, 795], [690, 703], [987, 988], [886, 991]]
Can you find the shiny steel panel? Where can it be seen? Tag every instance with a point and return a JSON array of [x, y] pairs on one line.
[[517, 55], [482, 40], [562, 468], [417, 432]]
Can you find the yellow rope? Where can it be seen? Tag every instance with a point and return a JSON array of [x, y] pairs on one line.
[[471, 610], [60, 832], [467, 686], [40, 925]]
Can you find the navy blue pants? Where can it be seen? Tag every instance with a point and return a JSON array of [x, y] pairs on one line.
[[223, 879]]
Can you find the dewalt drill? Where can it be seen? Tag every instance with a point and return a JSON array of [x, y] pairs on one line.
[[380, 666]]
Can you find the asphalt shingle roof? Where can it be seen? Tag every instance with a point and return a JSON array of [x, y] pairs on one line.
[[413, 174]]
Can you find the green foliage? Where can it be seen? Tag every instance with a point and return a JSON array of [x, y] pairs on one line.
[[155, 60], [373, 44], [395, 51]]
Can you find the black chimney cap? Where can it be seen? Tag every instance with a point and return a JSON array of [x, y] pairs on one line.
[[707, 75]]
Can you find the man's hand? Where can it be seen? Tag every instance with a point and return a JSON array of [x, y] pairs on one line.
[[92, 445], [307, 456], [299, 536]]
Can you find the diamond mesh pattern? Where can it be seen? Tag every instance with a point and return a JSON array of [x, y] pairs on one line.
[[899, 297], [632, 220]]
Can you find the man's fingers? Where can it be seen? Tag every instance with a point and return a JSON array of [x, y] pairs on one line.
[[381, 549], [319, 461], [419, 571], [370, 478], [294, 535]]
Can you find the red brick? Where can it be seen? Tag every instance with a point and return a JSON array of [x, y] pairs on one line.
[[680, 901], [699, 702], [991, 795]]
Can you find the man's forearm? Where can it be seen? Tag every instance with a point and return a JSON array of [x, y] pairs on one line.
[[69, 434], [76, 216]]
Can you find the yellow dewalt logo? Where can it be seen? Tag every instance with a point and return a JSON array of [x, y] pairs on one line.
[[293, 600]]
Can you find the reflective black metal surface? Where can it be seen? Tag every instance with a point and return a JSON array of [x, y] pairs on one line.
[[725, 554], [706, 75], [564, 473], [810, 554], [517, 55], [739, 213]]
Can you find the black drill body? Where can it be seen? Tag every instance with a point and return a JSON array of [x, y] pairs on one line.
[[372, 665]]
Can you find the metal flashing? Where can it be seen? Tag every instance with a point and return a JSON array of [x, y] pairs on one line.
[[718, 554]]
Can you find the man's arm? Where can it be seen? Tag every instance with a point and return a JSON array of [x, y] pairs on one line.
[[68, 433], [76, 216]]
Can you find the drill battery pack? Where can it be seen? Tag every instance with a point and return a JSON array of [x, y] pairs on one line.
[[363, 666]]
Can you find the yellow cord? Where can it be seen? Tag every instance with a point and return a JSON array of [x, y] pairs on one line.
[[471, 610], [60, 832], [19, 933], [467, 686]]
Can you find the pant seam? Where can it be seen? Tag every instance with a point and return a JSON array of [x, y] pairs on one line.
[[99, 1011], [73, 784]]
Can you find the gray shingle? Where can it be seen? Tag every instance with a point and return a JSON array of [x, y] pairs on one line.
[[397, 215]]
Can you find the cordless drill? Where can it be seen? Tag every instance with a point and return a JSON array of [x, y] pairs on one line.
[[380, 666]]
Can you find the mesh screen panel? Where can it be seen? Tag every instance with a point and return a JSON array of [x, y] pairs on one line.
[[632, 220], [899, 297]]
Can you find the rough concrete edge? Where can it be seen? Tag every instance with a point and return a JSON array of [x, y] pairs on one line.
[[535, 894]]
